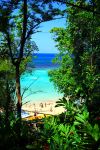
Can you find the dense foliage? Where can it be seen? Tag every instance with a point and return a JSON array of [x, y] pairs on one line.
[[78, 76]]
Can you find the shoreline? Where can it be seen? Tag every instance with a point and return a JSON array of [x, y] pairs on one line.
[[42, 107]]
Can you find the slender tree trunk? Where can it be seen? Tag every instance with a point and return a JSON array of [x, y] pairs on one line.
[[18, 92], [19, 105], [7, 123]]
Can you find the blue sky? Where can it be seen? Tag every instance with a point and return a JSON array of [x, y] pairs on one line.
[[44, 39]]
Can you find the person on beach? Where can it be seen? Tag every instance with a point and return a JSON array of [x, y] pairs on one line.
[[51, 109], [35, 113], [41, 105]]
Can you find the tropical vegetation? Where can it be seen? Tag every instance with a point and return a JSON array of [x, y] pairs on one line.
[[78, 75]]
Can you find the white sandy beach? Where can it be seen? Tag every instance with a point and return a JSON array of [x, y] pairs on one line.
[[47, 107]]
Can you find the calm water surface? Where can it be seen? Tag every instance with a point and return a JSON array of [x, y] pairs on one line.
[[36, 84]]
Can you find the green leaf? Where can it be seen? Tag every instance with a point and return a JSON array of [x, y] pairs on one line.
[[30, 146], [76, 123]]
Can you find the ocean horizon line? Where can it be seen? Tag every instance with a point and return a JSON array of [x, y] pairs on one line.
[[43, 53]]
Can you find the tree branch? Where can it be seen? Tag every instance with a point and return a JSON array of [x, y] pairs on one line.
[[9, 46], [42, 21], [24, 30], [88, 9]]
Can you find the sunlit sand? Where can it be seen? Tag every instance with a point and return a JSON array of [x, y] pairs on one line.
[[47, 107]]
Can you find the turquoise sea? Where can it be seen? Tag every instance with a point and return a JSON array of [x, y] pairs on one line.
[[35, 82]]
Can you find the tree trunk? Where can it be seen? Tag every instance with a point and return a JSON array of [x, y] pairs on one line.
[[18, 92], [19, 105], [8, 98]]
